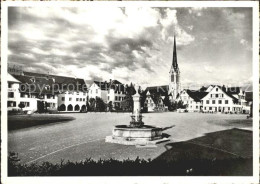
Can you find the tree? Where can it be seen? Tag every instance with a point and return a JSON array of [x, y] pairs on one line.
[[92, 104], [176, 105], [100, 105], [180, 105], [110, 106], [166, 101], [127, 103], [21, 105]]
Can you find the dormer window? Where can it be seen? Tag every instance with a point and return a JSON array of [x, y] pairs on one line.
[[216, 89]]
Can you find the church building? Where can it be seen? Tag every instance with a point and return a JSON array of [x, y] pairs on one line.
[[157, 98], [174, 76]]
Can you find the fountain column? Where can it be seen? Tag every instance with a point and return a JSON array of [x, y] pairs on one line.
[[136, 115]]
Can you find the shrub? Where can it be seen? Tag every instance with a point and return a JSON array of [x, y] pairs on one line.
[[137, 167]]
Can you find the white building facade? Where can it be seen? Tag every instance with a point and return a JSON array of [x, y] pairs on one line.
[[36, 93], [72, 101], [190, 100], [112, 91], [220, 100]]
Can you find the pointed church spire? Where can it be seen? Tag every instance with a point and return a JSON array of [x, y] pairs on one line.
[[174, 58]]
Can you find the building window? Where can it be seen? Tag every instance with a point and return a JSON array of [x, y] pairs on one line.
[[220, 101], [11, 104], [211, 95], [216, 89], [205, 108], [77, 99], [216, 95], [210, 108], [49, 96], [226, 101], [213, 102], [70, 99], [108, 97], [62, 98], [116, 98], [26, 104], [83, 99], [228, 108], [80, 99], [10, 94], [96, 90], [108, 91], [22, 95], [10, 85], [207, 101], [196, 107]]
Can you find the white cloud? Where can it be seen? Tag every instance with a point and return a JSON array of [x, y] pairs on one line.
[[245, 44], [208, 69]]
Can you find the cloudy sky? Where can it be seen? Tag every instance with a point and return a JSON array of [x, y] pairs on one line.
[[214, 45]]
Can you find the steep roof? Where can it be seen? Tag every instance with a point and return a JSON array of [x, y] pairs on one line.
[[174, 57], [160, 90], [113, 84], [58, 79], [249, 96], [102, 85], [224, 89], [10, 78], [233, 90], [44, 83], [196, 95], [34, 85]]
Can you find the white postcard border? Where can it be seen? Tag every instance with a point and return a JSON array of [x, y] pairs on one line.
[[128, 180]]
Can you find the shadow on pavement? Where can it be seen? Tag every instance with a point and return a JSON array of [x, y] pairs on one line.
[[229, 151]]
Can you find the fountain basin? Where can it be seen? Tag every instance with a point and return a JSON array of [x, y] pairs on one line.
[[123, 134]]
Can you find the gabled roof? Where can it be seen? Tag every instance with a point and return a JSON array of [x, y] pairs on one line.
[[196, 95], [113, 84], [10, 78], [224, 89], [233, 90], [102, 85], [159, 90]]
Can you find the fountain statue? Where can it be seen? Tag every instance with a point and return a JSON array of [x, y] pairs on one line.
[[137, 133]]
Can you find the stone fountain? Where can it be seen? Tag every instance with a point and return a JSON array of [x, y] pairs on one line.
[[137, 133]]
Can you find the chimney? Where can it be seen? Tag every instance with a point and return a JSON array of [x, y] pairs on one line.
[[224, 88]]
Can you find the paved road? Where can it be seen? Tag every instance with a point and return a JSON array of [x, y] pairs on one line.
[[84, 137]]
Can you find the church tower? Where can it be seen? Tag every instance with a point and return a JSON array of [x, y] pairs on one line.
[[174, 76]]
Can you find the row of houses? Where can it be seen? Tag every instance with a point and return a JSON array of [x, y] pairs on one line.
[[213, 98], [41, 91]]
